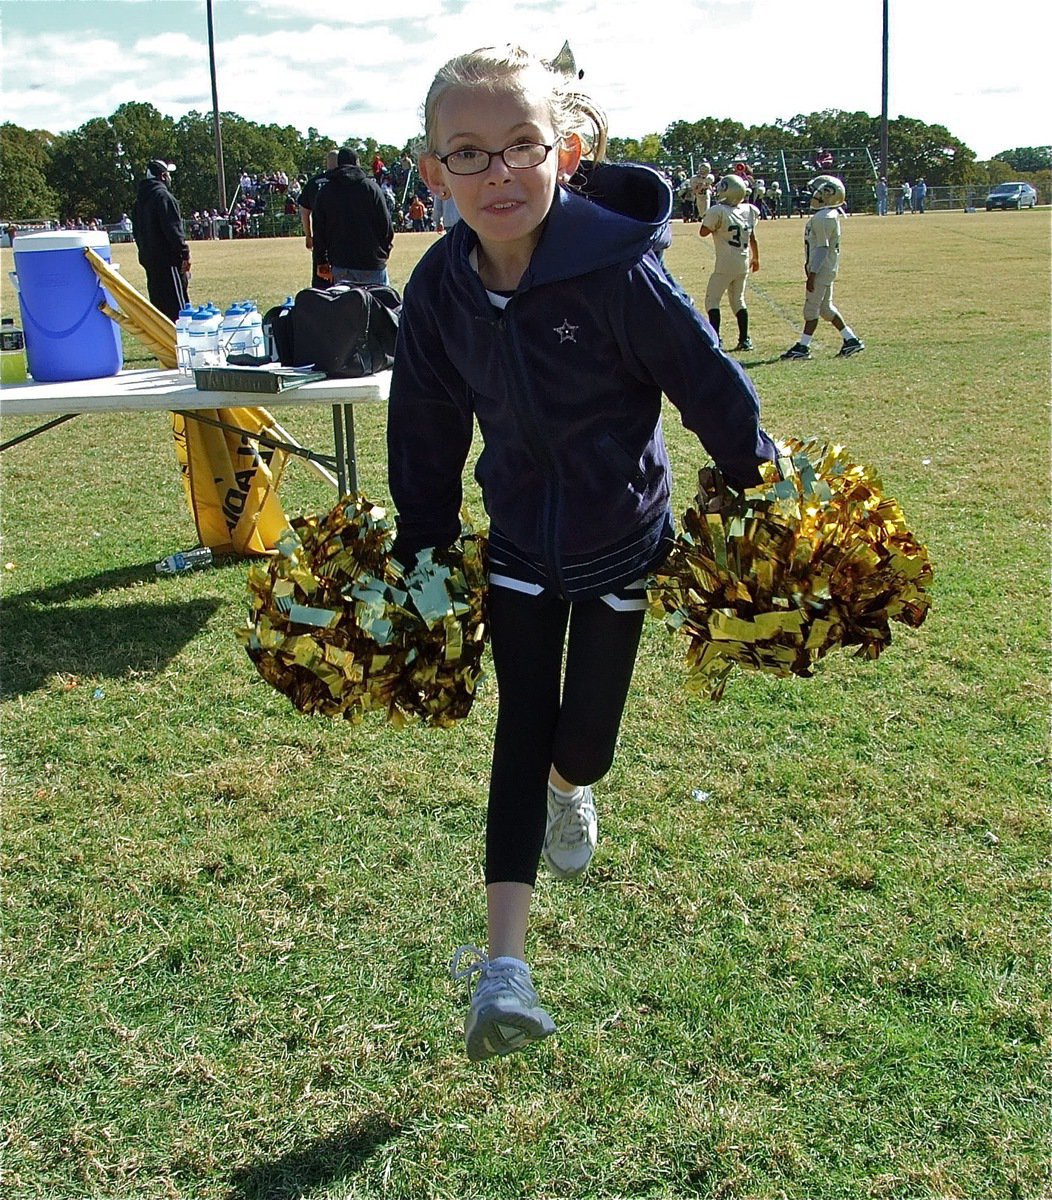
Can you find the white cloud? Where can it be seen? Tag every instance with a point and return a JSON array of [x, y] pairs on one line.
[[350, 69]]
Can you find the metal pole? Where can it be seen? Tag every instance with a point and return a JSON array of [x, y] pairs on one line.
[[220, 174], [884, 99]]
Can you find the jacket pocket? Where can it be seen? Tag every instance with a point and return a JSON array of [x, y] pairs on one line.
[[624, 465]]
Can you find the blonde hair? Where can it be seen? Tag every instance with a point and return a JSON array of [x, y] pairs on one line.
[[509, 68]]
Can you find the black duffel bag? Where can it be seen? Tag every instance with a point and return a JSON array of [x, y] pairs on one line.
[[347, 330], [345, 337]]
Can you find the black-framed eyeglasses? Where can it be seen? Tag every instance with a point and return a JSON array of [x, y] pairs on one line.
[[519, 157]]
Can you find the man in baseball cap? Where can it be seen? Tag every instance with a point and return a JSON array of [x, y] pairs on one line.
[[158, 228]]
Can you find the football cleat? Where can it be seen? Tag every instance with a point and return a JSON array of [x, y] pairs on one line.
[[851, 346], [797, 351]]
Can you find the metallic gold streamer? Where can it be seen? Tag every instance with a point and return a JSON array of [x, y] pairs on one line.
[[774, 578], [339, 628]]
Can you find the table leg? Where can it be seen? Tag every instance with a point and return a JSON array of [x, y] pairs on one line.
[[343, 436]]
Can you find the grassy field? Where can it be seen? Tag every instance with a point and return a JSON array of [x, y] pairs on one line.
[[810, 959]]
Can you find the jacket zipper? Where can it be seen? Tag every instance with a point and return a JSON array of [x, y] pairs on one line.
[[538, 447]]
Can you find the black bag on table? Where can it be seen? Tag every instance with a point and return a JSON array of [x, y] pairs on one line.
[[277, 334], [347, 331]]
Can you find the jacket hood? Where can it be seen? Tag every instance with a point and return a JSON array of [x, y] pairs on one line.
[[147, 186], [344, 176], [608, 214]]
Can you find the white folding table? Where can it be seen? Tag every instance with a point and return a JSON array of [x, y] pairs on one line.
[[163, 390]]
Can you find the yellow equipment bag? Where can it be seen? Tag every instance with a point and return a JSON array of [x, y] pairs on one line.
[[231, 481]]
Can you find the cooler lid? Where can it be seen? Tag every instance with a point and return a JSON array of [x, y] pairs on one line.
[[60, 239]]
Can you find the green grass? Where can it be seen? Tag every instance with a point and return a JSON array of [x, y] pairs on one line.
[[810, 959]]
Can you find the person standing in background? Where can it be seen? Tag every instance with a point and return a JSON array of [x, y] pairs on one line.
[[731, 223], [902, 204], [821, 264], [444, 213], [774, 199], [353, 232], [305, 203], [158, 228]]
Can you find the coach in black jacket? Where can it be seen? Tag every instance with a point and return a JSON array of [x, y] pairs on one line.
[[352, 226], [158, 227]]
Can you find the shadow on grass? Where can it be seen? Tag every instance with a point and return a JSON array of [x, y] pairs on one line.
[[46, 633], [323, 1161]]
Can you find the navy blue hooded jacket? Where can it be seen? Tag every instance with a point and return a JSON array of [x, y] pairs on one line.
[[565, 383]]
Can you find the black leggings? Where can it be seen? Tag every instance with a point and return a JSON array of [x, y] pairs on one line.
[[536, 727]]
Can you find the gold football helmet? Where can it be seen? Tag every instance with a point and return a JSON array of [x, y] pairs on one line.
[[827, 192], [731, 190]]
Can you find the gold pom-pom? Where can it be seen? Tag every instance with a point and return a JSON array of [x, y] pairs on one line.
[[777, 576], [342, 629]]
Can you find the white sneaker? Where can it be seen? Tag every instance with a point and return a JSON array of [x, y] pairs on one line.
[[569, 840], [504, 1014]]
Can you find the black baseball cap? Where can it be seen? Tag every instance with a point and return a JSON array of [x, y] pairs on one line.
[[157, 167]]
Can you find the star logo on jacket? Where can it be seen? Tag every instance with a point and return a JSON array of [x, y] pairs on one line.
[[566, 332]]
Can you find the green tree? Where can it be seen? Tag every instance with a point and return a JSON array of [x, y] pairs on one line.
[[647, 149], [313, 149], [1027, 158], [931, 152], [716, 140], [196, 185], [142, 133], [25, 193], [86, 171]]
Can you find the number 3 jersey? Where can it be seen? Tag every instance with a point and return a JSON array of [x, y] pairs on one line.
[[731, 232]]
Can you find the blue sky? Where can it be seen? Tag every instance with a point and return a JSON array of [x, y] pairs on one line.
[[350, 71]]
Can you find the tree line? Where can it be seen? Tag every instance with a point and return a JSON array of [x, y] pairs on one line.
[[92, 171]]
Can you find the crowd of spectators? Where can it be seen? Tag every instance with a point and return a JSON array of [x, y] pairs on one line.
[[265, 204]]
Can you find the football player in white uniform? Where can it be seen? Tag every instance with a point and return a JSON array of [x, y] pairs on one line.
[[701, 186], [774, 199], [821, 262], [731, 222]]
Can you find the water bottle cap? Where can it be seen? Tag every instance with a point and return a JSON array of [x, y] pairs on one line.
[[235, 310]]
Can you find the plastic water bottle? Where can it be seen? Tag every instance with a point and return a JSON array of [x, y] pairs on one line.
[[184, 560], [215, 319], [182, 339], [197, 338], [233, 331], [12, 352], [204, 337], [254, 338]]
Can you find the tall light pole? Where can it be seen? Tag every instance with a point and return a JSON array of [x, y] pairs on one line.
[[884, 99], [220, 173]]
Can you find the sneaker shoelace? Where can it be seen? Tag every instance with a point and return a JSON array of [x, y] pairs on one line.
[[570, 827], [494, 977]]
